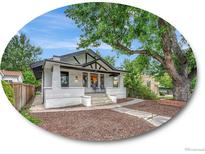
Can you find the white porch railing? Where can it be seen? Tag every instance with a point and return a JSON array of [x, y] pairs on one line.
[[61, 97], [118, 92]]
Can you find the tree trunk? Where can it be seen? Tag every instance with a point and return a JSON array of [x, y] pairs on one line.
[[181, 90]]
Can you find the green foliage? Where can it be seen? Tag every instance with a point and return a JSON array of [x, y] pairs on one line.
[[8, 91], [110, 59], [121, 26], [19, 54], [164, 80], [193, 83], [141, 91], [133, 80], [116, 25], [191, 60], [29, 78], [28, 116]]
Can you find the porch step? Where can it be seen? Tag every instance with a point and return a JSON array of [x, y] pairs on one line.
[[99, 99], [96, 94]]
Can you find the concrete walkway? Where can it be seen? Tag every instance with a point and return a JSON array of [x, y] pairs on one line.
[[40, 108], [154, 119], [38, 100]]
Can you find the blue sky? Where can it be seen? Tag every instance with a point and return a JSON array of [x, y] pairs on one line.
[[57, 35]]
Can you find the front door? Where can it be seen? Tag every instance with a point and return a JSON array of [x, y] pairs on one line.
[[94, 81]]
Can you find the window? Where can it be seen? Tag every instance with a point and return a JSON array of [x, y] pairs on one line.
[[116, 81], [64, 79], [85, 79], [102, 81]]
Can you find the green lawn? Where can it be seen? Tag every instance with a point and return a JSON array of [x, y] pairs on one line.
[[34, 120]]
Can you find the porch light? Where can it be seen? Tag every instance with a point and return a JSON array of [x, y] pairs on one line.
[[76, 79]]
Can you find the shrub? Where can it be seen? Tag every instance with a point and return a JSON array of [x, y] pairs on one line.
[[141, 91], [29, 78], [133, 81], [8, 91]]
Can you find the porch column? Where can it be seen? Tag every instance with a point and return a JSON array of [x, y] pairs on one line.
[[42, 81], [121, 80], [56, 81], [99, 81], [88, 79]]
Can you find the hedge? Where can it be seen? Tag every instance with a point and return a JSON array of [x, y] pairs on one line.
[[8, 91]]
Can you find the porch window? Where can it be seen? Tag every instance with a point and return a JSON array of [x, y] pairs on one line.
[[85, 79], [102, 81], [116, 81], [64, 79]]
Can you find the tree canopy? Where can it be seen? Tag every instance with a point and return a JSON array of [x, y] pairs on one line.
[[20, 53], [110, 59], [122, 26]]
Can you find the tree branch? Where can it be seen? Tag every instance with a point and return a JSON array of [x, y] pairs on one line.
[[129, 51], [176, 48], [141, 52]]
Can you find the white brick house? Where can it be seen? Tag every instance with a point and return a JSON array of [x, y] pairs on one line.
[[72, 79]]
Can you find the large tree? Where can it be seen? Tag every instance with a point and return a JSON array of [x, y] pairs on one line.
[[121, 26], [20, 53]]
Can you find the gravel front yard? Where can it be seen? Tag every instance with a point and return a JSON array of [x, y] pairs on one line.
[[95, 125], [157, 107]]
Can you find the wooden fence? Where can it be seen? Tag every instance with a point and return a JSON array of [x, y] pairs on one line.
[[23, 93]]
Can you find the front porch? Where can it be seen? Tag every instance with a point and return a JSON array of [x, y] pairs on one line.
[[69, 87]]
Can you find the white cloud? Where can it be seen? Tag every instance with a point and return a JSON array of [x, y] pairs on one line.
[[55, 44], [48, 24], [55, 21]]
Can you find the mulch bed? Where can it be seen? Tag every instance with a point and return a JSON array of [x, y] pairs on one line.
[[94, 125], [124, 100], [158, 107], [172, 103]]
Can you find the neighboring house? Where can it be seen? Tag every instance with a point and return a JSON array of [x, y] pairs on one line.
[[71, 79], [150, 82], [11, 76]]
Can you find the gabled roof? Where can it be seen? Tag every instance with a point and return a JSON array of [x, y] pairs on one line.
[[37, 66], [11, 73], [89, 51]]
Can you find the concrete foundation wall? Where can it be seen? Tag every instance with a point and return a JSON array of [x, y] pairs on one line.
[[62, 102], [63, 97], [118, 92]]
